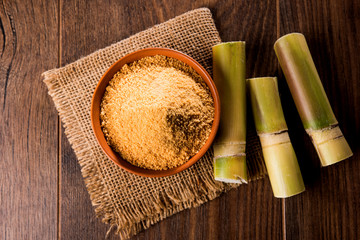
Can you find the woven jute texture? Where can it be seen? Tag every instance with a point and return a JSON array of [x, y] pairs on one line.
[[127, 202]]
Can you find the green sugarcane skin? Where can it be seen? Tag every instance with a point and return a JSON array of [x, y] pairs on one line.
[[334, 151], [310, 99], [304, 82], [231, 169], [283, 169], [265, 101], [330, 145], [229, 145], [229, 77], [280, 159]]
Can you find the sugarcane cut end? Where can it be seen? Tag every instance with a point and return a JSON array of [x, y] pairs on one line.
[[288, 35], [230, 43], [231, 169], [282, 166], [330, 145]]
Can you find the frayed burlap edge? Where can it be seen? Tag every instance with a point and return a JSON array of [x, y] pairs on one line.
[[90, 170], [167, 203]]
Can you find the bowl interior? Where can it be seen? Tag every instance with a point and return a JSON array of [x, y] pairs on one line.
[[99, 92]]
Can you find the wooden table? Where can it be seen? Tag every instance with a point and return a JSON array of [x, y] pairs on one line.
[[43, 195]]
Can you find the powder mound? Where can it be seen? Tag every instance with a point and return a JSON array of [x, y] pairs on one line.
[[157, 112]]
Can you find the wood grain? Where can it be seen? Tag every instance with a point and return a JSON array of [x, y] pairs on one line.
[[36, 36], [77, 217], [28, 121], [329, 209], [85, 29]]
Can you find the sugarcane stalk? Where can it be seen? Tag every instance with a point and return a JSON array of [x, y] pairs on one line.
[[280, 159], [310, 98], [230, 142]]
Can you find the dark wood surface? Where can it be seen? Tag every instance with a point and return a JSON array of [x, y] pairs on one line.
[[43, 195], [28, 121], [330, 208]]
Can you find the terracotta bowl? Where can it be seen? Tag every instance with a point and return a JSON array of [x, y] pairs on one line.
[[99, 92]]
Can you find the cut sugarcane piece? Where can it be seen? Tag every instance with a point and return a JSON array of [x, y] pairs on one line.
[[282, 166], [229, 145], [230, 169], [330, 145], [280, 159], [310, 99]]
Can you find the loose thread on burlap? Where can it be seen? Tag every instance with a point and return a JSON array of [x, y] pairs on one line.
[[129, 203]]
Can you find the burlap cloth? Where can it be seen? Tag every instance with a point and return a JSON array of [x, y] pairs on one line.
[[126, 201]]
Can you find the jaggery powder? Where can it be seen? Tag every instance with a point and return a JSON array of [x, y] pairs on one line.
[[157, 112]]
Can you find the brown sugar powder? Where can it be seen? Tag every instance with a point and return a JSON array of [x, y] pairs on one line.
[[157, 112]]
